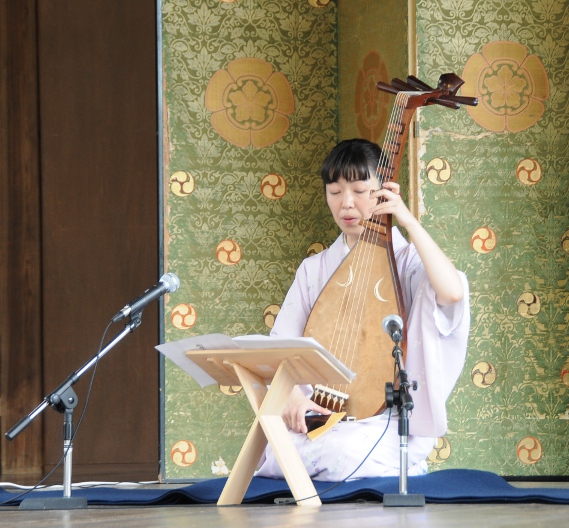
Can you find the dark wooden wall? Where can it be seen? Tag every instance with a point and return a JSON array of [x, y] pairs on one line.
[[20, 234], [79, 229]]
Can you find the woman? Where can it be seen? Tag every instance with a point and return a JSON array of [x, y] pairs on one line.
[[436, 300]]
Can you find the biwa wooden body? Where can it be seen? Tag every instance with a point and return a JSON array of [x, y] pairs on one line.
[[347, 320], [348, 314]]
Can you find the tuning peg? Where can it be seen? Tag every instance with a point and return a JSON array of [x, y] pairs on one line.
[[470, 101], [443, 101], [386, 88], [450, 82], [417, 83], [402, 86]]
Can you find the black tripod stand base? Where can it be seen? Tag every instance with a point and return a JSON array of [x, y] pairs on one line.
[[401, 499], [57, 503]]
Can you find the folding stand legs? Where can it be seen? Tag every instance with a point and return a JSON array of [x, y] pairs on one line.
[[269, 427]]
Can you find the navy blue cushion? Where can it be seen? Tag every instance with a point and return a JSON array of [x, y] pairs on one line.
[[446, 486]]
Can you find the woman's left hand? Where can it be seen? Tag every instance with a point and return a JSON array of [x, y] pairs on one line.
[[441, 271], [387, 200]]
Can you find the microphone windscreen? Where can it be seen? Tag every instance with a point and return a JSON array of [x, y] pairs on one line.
[[171, 281], [391, 323]]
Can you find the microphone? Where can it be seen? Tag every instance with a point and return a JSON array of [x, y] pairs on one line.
[[393, 326], [168, 283]]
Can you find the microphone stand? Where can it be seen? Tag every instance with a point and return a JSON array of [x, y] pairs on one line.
[[403, 400], [64, 400]]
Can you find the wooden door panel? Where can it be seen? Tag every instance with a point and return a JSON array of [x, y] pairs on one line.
[[98, 123]]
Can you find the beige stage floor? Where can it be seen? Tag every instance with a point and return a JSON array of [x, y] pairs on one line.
[[357, 515]]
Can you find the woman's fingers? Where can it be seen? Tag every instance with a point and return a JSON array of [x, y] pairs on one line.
[[296, 420], [392, 186]]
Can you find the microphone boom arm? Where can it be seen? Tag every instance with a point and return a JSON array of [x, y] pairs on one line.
[[64, 400], [55, 398]]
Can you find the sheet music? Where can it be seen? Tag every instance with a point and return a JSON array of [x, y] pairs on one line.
[[176, 351]]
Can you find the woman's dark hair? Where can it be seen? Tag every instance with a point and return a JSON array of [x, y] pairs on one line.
[[353, 160]]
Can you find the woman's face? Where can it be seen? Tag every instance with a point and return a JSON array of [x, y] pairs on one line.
[[350, 203]]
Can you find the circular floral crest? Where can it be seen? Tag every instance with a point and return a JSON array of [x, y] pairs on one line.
[[249, 103], [510, 85], [370, 104]]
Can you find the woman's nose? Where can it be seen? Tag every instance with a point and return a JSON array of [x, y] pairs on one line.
[[348, 200]]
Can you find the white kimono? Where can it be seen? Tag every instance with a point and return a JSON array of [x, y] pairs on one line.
[[436, 350]]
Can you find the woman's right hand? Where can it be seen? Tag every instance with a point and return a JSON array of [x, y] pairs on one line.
[[298, 405]]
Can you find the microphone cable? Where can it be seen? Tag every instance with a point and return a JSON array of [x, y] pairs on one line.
[[294, 501]]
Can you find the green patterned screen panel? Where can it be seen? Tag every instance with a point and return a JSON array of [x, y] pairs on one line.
[[493, 184], [250, 111], [256, 92]]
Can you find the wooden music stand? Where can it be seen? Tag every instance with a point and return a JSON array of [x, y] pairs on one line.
[[282, 369]]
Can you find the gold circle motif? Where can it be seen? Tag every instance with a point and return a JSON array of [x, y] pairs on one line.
[[182, 183], [249, 103], [318, 3], [270, 314], [183, 316], [510, 84], [483, 374], [565, 374], [370, 104], [315, 248], [441, 452], [230, 390], [273, 186], [565, 241], [483, 240], [529, 450], [183, 453], [228, 252], [438, 171], [529, 171], [529, 305]]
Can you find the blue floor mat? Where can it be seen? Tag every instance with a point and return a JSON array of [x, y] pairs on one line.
[[446, 486]]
